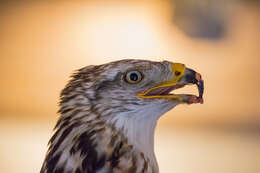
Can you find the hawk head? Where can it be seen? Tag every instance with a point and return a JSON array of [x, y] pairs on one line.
[[118, 101]]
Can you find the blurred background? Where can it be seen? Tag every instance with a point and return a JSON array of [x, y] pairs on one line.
[[42, 42]]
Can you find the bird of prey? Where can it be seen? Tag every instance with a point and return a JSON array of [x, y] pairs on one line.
[[108, 115]]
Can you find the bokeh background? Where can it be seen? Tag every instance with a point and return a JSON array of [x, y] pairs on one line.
[[42, 42]]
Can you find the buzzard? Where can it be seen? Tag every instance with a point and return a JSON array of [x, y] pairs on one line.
[[108, 114]]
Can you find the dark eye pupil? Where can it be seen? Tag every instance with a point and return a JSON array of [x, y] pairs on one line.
[[134, 77]]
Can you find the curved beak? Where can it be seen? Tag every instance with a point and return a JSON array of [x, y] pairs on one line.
[[181, 76]]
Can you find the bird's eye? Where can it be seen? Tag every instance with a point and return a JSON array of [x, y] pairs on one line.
[[133, 77]]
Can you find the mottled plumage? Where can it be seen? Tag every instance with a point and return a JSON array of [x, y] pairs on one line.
[[108, 115]]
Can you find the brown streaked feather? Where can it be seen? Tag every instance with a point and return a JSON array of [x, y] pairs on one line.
[[83, 140]]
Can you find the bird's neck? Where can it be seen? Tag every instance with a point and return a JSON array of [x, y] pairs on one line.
[[139, 132], [78, 132], [139, 127]]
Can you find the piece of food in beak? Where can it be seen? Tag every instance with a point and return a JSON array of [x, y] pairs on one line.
[[193, 77]]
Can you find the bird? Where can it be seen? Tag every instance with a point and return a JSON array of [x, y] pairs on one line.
[[108, 115]]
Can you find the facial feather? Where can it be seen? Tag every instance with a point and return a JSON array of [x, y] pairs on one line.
[[103, 125]]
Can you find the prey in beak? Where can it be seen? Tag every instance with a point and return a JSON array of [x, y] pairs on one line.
[[181, 76]]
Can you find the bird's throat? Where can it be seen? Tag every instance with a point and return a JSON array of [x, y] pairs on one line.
[[139, 127]]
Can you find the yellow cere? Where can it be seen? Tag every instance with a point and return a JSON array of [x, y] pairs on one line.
[[176, 67]]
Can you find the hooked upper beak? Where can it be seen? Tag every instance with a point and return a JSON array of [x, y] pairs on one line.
[[181, 76]]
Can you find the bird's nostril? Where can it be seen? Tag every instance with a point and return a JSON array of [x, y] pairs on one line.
[[177, 73]]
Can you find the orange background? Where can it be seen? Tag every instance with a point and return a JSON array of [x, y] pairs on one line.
[[42, 42]]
